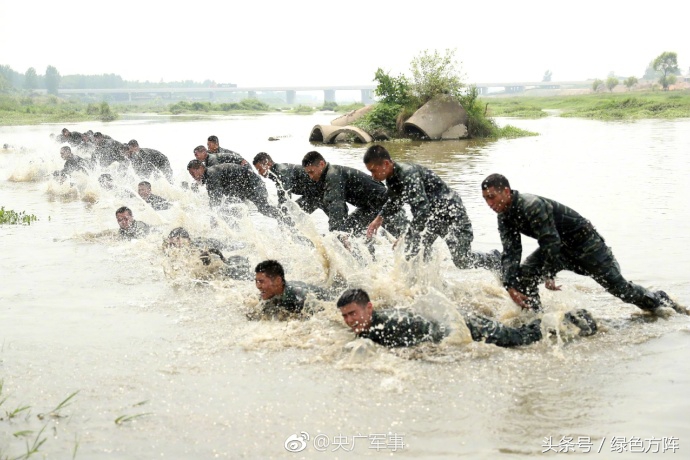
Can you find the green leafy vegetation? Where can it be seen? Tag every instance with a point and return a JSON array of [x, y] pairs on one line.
[[16, 218], [245, 105]]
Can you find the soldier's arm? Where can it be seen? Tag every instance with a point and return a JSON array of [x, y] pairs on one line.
[[512, 253], [539, 214], [334, 204]]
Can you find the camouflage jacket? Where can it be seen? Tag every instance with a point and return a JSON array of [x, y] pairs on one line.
[[340, 185], [158, 202], [138, 229], [147, 161], [398, 328], [432, 202], [293, 298], [235, 181], [107, 153], [549, 222], [289, 179], [224, 156], [75, 163]]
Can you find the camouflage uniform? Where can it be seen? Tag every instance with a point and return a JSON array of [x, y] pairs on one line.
[[340, 185], [138, 229], [158, 202], [238, 183], [108, 152], [148, 161], [567, 241], [437, 211], [291, 178], [399, 328], [73, 164], [224, 156], [292, 301]]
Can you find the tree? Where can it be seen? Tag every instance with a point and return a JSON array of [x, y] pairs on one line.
[[434, 74], [30, 79], [547, 76], [611, 82], [597, 84], [667, 64], [630, 82], [52, 80]]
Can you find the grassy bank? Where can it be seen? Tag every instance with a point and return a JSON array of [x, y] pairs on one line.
[[598, 106]]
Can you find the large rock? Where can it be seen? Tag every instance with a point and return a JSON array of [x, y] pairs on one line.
[[353, 116], [437, 117]]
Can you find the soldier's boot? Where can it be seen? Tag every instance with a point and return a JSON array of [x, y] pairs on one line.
[[583, 320], [666, 301]]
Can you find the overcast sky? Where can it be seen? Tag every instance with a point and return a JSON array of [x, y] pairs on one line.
[[271, 43]]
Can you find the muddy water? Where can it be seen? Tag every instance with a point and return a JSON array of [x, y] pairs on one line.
[[166, 365]]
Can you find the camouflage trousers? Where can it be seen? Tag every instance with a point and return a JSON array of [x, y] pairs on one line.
[[590, 257], [492, 331]]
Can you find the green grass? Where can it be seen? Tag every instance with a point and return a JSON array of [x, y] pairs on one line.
[[15, 218], [631, 105]]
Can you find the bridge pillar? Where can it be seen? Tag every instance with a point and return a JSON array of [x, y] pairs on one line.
[[251, 95], [483, 90], [367, 96], [329, 95], [129, 97], [290, 96]]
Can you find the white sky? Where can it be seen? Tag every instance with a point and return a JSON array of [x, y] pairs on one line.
[[272, 43]]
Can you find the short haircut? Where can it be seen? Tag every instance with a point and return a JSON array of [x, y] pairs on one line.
[[104, 178], [65, 130], [199, 148], [261, 157], [312, 158], [146, 183], [65, 149], [123, 209], [358, 296], [213, 139], [133, 143], [195, 164], [98, 134], [179, 232], [376, 154], [271, 268], [497, 181]]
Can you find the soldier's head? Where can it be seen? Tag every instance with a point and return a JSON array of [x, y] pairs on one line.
[[99, 138], [379, 163], [132, 148], [314, 163], [496, 192], [196, 169], [269, 278], [178, 237], [124, 217], [66, 153], [356, 309], [263, 163], [200, 153], [106, 181], [144, 189], [212, 143]]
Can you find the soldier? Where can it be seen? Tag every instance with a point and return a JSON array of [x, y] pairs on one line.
[[148, 161], [289, 179], [130, 228], [106, 182], [107, 151], [213, 159], [284, 299], [567, 241], [235, 267], [215, 149], [339, 185], [73, 163], [437, 210], [157, 202], [234, 182], [396, 328]]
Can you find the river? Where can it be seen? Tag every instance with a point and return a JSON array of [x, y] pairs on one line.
[[165, 364]]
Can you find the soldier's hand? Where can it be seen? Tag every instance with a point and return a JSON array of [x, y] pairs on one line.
[[396, 242], [550, 284], [519, 298], [374, 226]]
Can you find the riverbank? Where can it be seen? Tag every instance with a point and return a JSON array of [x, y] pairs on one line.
[[633, 105]]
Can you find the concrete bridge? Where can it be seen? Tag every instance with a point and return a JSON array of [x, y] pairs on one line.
[[366, 91]]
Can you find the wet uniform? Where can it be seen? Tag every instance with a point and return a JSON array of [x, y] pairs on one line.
[[291, 178], [158, 202], [397, 328], [340, 185], [223, 156], [138, 229], [567, 241], [291, 301], [73, 164], [437, 212], [238, 182], [108, 152], [148, 161]]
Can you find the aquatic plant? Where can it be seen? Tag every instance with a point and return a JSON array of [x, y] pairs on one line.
[[16, 218]]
